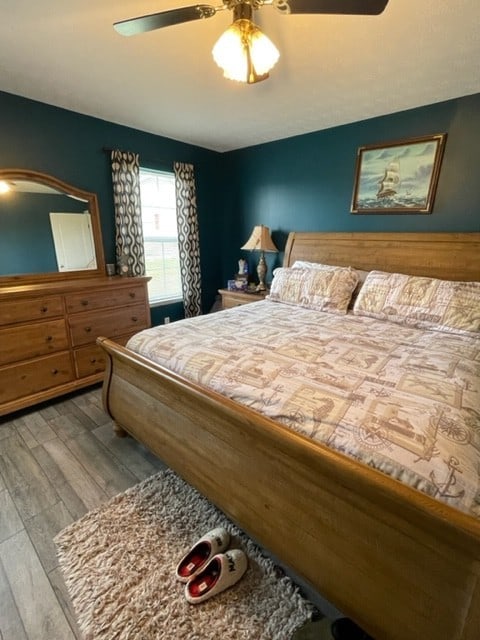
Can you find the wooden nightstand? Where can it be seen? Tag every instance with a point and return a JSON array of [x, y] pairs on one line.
[[236, 298]]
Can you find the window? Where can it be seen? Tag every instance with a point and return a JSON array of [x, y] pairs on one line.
[[160, 235]]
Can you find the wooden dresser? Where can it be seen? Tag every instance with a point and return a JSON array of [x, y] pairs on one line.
[[48, 333]]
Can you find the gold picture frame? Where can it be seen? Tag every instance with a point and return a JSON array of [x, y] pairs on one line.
[[398, 177]]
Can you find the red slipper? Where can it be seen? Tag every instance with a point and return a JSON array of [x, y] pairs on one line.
[[213, 542], [223, 571]]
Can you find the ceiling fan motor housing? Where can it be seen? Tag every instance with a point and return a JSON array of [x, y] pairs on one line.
[[242, 11], [232, 4]]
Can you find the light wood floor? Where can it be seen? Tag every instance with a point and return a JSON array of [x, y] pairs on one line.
[[57, 461]]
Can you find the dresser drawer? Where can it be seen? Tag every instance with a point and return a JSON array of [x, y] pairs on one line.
[[229, 303], [232, 299], [17, 381], [112, 297], [13, 311], [91, 359], [32, 340], [86, 327]]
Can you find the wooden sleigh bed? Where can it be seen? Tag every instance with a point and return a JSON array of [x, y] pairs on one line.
[[400, 563]]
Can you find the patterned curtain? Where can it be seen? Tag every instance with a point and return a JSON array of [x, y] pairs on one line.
[[188, 238], [128, 213]]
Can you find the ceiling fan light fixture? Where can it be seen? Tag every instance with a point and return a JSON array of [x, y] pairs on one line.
[[245, 53], [4, 187]]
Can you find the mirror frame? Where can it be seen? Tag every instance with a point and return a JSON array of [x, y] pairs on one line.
[[64, 187]]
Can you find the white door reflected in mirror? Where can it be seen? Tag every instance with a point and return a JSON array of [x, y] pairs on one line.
[[73, 239]]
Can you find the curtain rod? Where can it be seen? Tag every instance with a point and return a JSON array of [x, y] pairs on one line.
[[148, 160]]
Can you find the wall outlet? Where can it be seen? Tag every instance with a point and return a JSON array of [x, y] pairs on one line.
[[166, 320]]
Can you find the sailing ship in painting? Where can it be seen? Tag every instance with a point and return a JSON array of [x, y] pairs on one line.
[[390, 183], [390, 192]]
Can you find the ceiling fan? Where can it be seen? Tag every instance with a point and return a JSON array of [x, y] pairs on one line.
[[243, 51]]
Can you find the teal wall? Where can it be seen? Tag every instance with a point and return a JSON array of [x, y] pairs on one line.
[[70, 146], [302, 183], [305, 183]]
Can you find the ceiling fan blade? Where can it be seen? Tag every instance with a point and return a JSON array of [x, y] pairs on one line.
[[351, 7], [153, 21]]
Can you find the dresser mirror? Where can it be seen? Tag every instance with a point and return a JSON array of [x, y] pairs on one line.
[[48, 229]]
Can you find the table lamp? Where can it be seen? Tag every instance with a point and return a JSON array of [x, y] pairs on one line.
[[260, 240]]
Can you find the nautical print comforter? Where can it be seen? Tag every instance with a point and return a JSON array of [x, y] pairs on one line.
[[405, 401]]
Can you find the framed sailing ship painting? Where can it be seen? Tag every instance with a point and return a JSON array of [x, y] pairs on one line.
[[398, 177]]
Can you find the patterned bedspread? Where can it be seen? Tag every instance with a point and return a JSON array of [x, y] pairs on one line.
[[405, 401]]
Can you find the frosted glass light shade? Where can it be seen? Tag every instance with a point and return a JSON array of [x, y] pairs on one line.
[[244, 53]]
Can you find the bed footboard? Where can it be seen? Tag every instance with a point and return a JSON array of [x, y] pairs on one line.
[[399, 563]]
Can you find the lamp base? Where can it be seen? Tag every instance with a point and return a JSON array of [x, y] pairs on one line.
[[261, 272]]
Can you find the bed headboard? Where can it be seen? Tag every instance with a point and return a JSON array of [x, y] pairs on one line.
[[449, 256]]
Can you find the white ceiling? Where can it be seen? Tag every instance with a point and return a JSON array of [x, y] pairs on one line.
[[333, 69]]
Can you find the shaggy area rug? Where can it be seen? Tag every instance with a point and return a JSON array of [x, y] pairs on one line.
[[119, 564]]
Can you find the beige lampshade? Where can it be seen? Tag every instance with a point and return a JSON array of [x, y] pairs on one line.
[[260, 240]]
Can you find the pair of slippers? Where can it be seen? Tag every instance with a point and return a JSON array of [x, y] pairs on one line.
[[208, 568]]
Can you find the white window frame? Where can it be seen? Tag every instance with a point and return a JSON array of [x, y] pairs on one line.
[[148, 223]]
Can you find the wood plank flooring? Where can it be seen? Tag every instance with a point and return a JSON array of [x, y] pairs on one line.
[[57, 461]]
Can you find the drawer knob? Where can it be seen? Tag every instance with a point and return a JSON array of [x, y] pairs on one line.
[[134, 318], [49, 338], [54, 372], [44, 309], [88, 329], [131, 294], [93, 360], [84, 303]]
